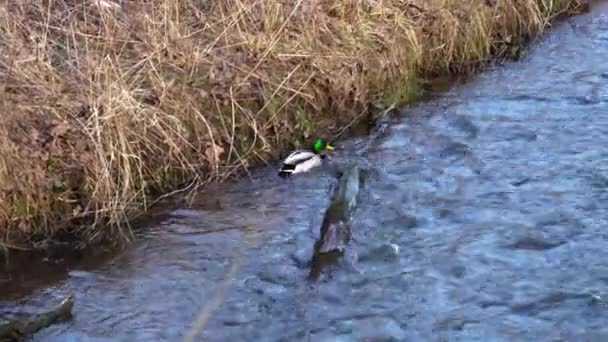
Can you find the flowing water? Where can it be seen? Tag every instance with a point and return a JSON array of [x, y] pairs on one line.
[[483, 217]]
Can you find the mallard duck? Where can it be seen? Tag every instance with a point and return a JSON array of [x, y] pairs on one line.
[[305, 160]]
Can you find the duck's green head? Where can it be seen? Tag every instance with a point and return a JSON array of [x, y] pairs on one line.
[[319, 145]]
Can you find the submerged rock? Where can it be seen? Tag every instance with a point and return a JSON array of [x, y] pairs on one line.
[[388, 252], [17, 329]]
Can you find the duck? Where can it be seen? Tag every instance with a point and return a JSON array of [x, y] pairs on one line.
[[301, 161]]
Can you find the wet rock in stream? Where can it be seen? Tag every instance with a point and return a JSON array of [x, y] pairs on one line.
[[336, 227], [385, 253]]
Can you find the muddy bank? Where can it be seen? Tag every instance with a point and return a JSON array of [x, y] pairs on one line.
[[106, 106]]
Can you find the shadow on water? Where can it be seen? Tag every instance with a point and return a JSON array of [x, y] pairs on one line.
[[483, 217], [24, 272]]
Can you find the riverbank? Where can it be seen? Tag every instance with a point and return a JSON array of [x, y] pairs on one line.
[[107, 107]]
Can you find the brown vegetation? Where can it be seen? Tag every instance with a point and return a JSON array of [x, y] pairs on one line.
[[105, 104]]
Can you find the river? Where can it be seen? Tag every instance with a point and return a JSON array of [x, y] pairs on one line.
[[483, 217]]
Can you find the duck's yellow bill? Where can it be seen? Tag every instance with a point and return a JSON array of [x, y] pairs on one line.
[[329, 147]]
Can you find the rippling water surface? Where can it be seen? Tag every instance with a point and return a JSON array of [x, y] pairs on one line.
[[483, 218]]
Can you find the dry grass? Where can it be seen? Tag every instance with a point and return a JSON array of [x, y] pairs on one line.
[[106, 105]]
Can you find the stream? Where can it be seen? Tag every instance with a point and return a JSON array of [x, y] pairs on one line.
[[483, 217]]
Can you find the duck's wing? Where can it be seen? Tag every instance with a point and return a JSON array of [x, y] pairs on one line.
[[298, 157]]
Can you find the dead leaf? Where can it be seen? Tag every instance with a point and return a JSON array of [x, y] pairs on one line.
[[108, 5], [77, 210], [213, 153], [24, 227], [59, 129]]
